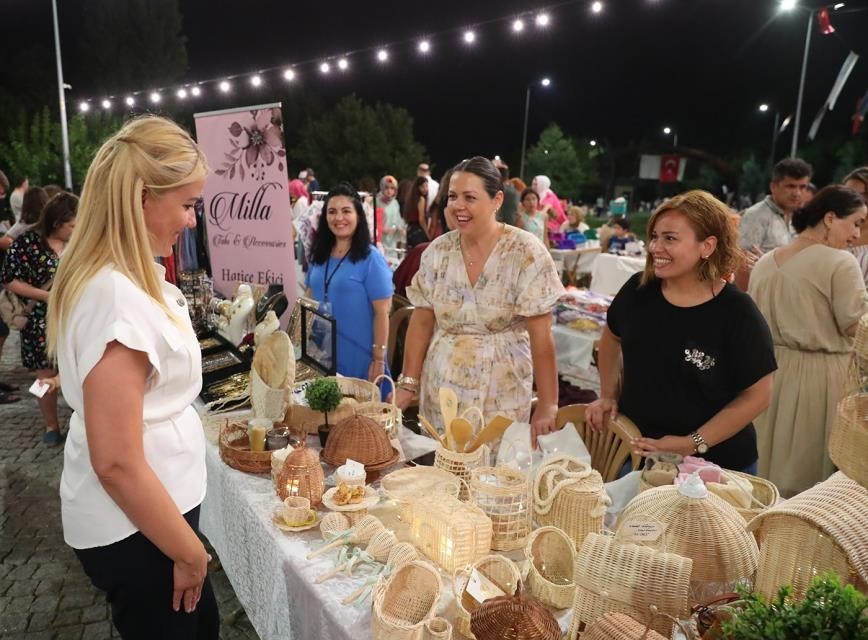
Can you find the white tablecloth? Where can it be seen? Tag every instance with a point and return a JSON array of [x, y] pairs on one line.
[[610, 272], [573, 349], [581, 260]]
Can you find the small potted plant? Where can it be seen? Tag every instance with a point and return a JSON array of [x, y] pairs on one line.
[[323, 395]]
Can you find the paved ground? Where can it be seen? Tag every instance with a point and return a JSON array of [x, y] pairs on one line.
[[44, 593]]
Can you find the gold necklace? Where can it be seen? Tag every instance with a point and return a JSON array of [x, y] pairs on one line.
[[471, 260]]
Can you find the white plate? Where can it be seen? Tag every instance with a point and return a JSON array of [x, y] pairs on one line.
[[371, 498]]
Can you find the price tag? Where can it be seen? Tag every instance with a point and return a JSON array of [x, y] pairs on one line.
[[355, 468], [641, 530], [481, 588]]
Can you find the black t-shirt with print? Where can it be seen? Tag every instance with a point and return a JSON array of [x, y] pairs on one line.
[[683, 365]]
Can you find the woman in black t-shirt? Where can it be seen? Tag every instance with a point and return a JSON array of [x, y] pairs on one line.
[[698, 356]]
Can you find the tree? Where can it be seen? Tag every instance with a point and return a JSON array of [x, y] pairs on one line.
[[754, 180], [136, 44], [555, 156], [355, 140], [32, 147]]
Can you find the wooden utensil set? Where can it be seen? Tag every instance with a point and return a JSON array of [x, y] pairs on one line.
[[459, 435]]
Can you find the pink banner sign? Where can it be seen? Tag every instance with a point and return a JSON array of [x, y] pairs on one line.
[[248, 216]]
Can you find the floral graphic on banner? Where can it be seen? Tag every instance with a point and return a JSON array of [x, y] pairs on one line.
[[255, 144]]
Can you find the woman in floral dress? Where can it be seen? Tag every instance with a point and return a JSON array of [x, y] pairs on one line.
[[29, 268], [482, 324]]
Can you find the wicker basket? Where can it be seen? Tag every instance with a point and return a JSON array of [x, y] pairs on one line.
[[268, 402], [628, 578], [302, 417], [765, 495], [437, 629], [500, 570], [405, 601], [705, 529], [460, 464], [569, 495], [301, 475], [819, 529], [362, 440], [503, 495], [620, 626], [513, 618], [860, 347], [551, 557], [235, 450], [388, 415], [848, 442], [450, 532], [418, 483]]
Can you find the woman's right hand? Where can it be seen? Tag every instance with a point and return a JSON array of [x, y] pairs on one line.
[[404, 398], [598, 411], [187, 582]]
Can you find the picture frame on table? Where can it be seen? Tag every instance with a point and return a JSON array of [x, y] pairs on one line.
[[318, 341]]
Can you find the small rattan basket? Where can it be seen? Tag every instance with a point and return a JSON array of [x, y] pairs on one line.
[[551, 557], [460, 464], [235, 450], [388, 415], [503, 495], [301, 475], [569, 494], [361, 439], [437, 629], [628, 578], [499, 570], [848, 442], [819, 529], [405, 601], [513, 618]]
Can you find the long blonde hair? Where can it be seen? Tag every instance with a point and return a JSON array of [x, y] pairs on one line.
[[148, 152]]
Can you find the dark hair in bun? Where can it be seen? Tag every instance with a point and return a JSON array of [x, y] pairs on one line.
[[840, 200]]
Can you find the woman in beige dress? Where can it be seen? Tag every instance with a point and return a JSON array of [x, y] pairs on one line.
[[483, 294], [812, 295]]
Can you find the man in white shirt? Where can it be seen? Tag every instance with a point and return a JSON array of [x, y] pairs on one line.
[[767, 224], [424, 171]]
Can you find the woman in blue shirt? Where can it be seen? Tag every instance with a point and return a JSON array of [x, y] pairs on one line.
[[352, 283]]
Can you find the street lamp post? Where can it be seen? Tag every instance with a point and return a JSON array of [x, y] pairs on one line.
[[64, 133], [763, 108], [794, 147], [545, 82]]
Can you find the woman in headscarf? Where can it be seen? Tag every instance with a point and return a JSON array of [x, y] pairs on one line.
[[549, 203]]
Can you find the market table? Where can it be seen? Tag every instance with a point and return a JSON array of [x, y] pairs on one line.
[[610, 272], [579, 260], [573, 349]]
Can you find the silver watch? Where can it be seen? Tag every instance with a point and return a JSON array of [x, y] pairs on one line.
[[699, 443]]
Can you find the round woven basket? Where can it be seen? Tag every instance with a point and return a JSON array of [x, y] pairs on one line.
[[460, 464], [235, 450], [708, 530], [848, 442], [569, 495], [503, 495], [551, 558], [388, 415], [415, 483], [361, 439], [301, 475], [500, 570], [403, 603], [513, 618]]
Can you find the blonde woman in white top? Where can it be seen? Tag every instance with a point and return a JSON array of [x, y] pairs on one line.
[[130, 367]]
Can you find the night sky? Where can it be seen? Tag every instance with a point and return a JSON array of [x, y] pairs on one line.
[[699, 66]]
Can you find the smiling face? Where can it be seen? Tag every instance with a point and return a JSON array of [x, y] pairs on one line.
[[342, 217], [843, 232], [471, 208], [674, 248], [169, 213]]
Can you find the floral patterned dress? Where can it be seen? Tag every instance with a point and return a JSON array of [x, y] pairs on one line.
[[30, 260], [481, 347]]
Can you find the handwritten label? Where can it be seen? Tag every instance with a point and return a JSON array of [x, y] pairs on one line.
[[481, 588], [355, 468], [641, 530]]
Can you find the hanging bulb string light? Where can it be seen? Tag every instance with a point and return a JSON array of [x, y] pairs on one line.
[[541, 18]]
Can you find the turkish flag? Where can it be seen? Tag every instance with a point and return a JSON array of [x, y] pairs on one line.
[[669, 168], [823, 23]]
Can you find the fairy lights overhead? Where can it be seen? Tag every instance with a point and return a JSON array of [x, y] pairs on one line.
[[517, 24]]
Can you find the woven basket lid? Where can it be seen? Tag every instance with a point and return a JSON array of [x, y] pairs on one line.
[[513, 618], [706, 529], [837, 506], [360, 438], [848, 442], [302, 457]]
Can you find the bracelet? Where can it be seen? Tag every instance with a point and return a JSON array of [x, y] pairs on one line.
[[404, 380], [381, 347]]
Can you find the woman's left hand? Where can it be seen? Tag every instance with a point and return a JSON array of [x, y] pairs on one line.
[[542, 422], [677, 444], [376, 368]]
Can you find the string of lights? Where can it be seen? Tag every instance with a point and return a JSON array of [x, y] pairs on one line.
[[469, 35]]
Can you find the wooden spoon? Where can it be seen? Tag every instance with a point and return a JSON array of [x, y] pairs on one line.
[[431, 430], [492, 431], [449, 409], [462, 433]]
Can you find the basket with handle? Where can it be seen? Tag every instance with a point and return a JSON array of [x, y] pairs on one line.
[[234, 446], [503, 495], [403, 602], [387, 414], [501, 571], [620, 626], [460, 463], [513, 617], [551, 557], [569, 494], [848, 442]]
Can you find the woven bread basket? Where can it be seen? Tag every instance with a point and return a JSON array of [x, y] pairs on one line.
[[706, 529], [302, 417], [628, 578], [848, 442], [301, 475], [405, 601], [235, 450], [569, 494], [499, 570], [361, 439], [551, 557], [819, 529], [503, 495], [418, 483], [513, 618]]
